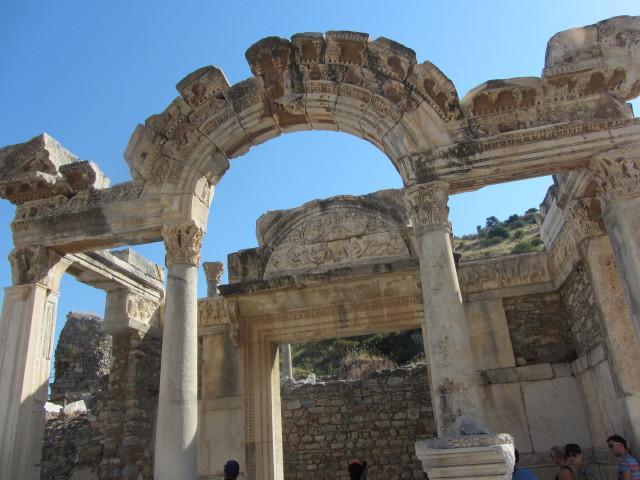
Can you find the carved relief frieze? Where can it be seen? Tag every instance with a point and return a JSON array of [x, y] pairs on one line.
[[140, 309], [617, 173], [221, 311], [564, 252], [512, 271], [427, 205], [333, 239], [182, 243]]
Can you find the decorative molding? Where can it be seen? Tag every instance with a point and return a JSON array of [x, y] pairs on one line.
[[427, 205], [182, 244], [222, 311]]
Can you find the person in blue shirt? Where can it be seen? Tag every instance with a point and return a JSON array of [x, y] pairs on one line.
[[521, 473]]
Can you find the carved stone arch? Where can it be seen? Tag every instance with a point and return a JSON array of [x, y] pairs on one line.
[[339, 232], [337, 81]]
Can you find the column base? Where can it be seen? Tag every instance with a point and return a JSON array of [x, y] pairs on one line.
[[481, 457]]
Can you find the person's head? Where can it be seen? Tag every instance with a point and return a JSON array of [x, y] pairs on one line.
[[573, 453], [617, 445], [355, 469], [231, 470], [557, 455]]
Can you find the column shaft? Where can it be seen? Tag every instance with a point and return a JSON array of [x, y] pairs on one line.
[[449, 356], [176, 442]]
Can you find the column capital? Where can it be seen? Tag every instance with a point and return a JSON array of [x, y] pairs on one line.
[[213, 271], [182, 243], [427, 205], [617, 172], [37, 265], [584, 220]]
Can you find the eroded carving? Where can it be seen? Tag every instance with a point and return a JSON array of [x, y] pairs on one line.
[[37, 265], [511, 271], [182, 244], [140, 309], [617, 173]]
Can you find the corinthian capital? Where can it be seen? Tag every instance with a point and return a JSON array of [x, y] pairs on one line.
[[427, 204], [37, 264], [584, 220], [182, 244], [617, 172]]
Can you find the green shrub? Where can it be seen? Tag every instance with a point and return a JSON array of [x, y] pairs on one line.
[[518, 234], [498, 231], [523, 246], [536, 241]]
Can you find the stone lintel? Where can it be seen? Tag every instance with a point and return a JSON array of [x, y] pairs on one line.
[[124, 269], [528, 373]]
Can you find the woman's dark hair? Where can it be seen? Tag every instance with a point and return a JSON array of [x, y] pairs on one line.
[[355, 471]]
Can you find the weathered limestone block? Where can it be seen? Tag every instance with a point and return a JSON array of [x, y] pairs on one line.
[[487, 456], [603, 57]]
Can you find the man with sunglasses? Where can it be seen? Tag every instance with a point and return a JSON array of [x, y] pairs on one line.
[[628, 466]]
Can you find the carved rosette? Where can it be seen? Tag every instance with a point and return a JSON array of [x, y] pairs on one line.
[[182, 243], [583, 219], [37, 265], [213, 271], [617, 173], [427, 205]]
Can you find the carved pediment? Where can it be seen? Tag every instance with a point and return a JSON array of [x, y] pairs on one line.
[[338, 232]]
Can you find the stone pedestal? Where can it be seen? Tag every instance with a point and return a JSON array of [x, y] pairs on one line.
[[482, 457], [26, 341], [176, 449], [447, 344]]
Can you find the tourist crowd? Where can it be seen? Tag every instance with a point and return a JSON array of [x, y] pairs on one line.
[[572, 466]]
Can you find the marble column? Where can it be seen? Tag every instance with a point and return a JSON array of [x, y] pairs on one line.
[[176, 442], [585, 223], [27, 325], [452, 375], [286, 363], [617, 177], [213, 272]]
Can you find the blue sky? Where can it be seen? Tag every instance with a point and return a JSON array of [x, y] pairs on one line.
[[88, 72]]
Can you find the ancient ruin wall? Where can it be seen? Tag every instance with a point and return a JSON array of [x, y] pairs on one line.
[[577, 295], [539, 329], [377, 419], [83, 358]]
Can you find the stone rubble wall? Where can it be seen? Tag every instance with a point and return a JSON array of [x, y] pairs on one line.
[[539, 329], [82, 359], [578, 297], [72, 448], [376, 419], [127, 412]]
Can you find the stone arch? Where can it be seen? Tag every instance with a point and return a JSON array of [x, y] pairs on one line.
[[335, 81]]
